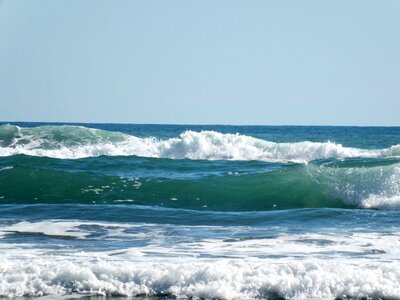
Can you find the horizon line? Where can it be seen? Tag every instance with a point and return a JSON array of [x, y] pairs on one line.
[[197, 124]]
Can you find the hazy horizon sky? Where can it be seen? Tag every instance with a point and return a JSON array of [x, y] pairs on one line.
[[201, 62]]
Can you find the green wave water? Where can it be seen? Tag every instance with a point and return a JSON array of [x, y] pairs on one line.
[[189, 184]]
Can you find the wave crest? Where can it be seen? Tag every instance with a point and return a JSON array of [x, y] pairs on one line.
[[364, 186], [71, 142]]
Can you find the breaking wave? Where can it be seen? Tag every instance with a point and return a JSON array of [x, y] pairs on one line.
[[71, 142], [201, 280], [356, 183]]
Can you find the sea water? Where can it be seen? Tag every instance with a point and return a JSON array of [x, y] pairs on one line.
[[201, 212]]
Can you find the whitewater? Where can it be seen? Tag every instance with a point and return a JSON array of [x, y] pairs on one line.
[[79, 142], [199, 211]]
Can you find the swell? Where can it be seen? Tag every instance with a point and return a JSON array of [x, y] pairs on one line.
[[254, 186], [71, 142]]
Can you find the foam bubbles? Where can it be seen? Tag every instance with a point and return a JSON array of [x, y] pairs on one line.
[[51, 228], [381, 202], [224, 279], [366, 187]]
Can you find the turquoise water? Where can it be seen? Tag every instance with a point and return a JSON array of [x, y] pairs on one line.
[[210, 212]]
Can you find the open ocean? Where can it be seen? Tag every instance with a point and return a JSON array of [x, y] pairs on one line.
[[200, 212]]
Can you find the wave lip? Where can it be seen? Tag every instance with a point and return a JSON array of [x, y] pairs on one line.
[[71, 142]]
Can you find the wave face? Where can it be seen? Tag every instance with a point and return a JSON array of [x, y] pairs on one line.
[[69, 142], [191, 185]]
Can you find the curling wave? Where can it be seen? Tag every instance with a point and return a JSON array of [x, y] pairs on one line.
[[71, 142], [189, 184]]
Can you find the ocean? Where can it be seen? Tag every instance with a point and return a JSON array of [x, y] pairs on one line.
[[199, 212]]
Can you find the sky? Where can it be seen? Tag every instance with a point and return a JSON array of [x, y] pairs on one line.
[[201, 62]]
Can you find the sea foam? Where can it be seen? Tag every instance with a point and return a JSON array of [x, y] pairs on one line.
[[226, 279], [325, 265]]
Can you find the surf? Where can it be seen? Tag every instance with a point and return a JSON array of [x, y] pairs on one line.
[[73, 142]]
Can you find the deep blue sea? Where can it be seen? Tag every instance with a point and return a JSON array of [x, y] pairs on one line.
[[199, 212]]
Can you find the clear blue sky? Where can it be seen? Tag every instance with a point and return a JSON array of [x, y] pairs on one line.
[[212, 62]]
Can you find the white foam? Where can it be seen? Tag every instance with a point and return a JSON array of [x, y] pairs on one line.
[[58, 228], [381, 202], [155, 240], [208, 145], [222, 279], [373, 187], [6, 168], [322, 265], [54, 228]]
